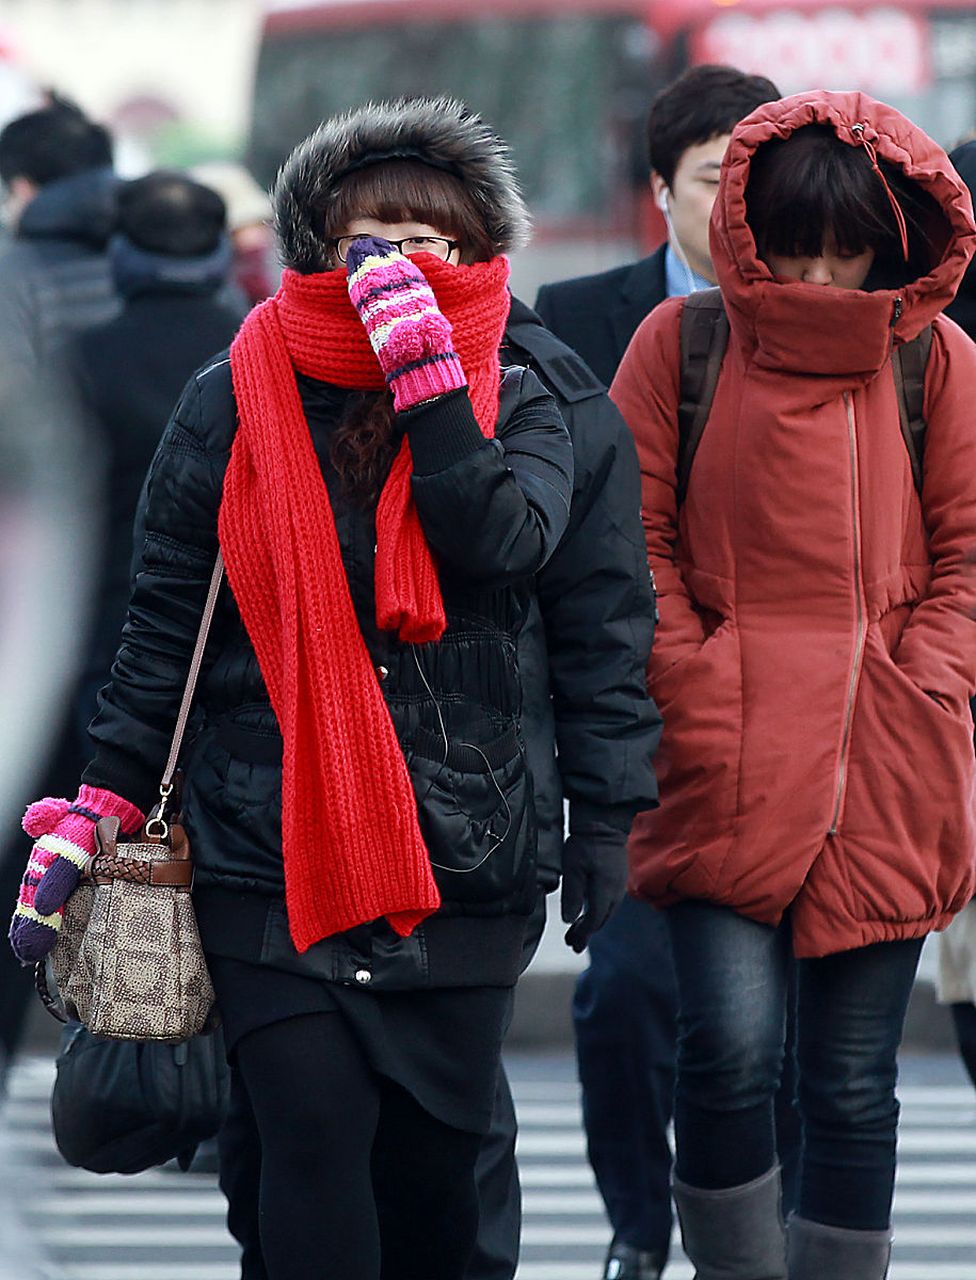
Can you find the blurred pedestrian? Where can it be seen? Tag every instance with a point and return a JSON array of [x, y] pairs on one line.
[[814, 661], [625, 1006], [358, 800], [170, 257], [59, 189], [47, 542], [59, 204]]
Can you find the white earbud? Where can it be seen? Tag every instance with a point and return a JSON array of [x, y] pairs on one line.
[[662, 204]]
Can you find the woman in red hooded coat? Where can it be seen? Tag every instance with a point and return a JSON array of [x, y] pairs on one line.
[[813, 664]]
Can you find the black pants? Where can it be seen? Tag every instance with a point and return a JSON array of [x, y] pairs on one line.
[[496, 1251], [357, 1180]]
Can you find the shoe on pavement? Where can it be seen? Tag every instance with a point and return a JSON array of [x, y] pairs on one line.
[[624, 1262]]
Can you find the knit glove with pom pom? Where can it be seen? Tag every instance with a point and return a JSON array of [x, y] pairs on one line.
[[65, 835], [408, 332]]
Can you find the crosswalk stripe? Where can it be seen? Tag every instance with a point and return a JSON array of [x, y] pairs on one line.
[[142, 1271], [680, 1270], [117, 1228]]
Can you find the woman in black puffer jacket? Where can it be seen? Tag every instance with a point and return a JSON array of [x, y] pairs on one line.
[[357, 797]]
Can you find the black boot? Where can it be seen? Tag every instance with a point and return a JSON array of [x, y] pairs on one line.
[[624, 1262]]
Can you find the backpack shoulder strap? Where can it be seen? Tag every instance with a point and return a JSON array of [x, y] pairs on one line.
[[908, 363], [704, 339]]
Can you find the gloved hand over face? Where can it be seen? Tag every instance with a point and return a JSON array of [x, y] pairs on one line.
[[407, 330], [65, 834], [594, 879]]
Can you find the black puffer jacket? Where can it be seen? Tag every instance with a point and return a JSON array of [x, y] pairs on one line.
[[493, 512], [584, 647]]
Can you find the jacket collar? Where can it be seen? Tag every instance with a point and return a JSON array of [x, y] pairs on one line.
[[642, 289], [81, 207]]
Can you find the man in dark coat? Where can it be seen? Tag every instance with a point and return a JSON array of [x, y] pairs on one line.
[[582, 678], [625, 1007], [688, 127], [169, 259]]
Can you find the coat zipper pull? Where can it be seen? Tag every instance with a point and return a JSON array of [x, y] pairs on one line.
[[896, 312]]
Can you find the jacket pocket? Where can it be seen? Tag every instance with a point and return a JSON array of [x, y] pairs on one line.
[[475, 807]]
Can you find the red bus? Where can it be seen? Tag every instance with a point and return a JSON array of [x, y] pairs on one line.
[[568, 83]]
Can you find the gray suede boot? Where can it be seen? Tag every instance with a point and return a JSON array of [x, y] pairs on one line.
[[815, 1251], [736, 1233]]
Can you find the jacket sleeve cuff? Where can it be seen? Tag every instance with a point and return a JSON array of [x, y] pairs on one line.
[[441, 432], [584, 817], [114, 770]]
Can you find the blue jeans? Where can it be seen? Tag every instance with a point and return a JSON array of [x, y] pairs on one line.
[[625, 1015], [733, 976]]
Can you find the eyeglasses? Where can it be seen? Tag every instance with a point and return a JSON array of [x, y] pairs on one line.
[[439, 246]]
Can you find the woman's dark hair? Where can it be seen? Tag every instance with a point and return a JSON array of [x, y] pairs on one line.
[[364, 443], [410, 191], [810, 185]]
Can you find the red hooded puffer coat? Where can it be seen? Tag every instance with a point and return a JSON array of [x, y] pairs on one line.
[[816, 649]]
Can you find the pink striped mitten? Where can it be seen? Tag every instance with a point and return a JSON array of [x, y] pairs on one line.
[[64, 831], [408, 332]]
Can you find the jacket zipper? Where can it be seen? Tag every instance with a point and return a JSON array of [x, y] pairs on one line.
[[861, 611]]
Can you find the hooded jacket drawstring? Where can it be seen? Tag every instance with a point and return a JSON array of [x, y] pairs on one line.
[[858, 131]]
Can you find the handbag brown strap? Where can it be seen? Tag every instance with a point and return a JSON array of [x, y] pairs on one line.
[[196, 661]]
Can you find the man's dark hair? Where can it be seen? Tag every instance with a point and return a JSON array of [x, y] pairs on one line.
[[56, 141], [704, 103], [168, 213]]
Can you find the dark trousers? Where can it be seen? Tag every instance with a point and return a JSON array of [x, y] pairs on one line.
[[625, 1018], [499, 1192], [625, 1015], [733, 976], [356, 1178], [499, 1195]]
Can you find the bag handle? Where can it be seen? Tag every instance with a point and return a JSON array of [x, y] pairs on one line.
[[157, 825]]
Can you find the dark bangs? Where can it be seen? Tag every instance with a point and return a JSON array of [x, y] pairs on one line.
[[807, 187], [410, 191]]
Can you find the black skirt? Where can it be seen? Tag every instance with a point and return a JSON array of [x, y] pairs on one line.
[[442, 1045]]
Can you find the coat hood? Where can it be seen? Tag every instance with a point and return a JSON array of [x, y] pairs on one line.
[[82, 207], [794, 327], [441, 132]]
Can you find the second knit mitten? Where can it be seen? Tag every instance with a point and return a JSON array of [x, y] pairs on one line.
[[64, 831], [407, 330]]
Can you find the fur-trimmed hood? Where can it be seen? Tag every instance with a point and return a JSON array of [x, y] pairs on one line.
[[441, 132]]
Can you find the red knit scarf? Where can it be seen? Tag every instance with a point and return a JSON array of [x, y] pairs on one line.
[[351, 840]]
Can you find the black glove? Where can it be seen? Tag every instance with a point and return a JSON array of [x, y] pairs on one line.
[[594, 878]]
